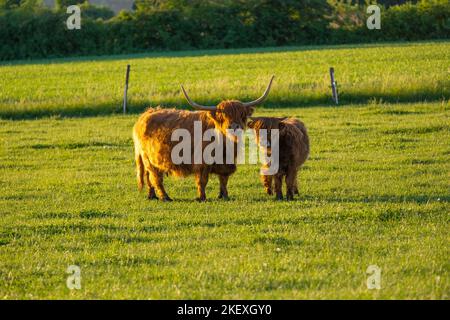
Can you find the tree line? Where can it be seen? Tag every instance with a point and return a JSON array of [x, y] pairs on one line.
[[29, 30]]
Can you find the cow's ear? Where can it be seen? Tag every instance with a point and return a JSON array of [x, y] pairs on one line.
[[250, 111]]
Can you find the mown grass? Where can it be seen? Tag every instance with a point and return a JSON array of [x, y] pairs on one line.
[[374, 192], [405, 72]]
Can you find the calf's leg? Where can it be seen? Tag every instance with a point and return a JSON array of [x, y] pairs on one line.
[[291, 179], [223, 194], [278, 187]]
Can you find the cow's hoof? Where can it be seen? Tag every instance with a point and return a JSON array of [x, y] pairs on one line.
[[279, 198], [152, 197], [166, 199], [200, 199], [269, 192], [223, 197]]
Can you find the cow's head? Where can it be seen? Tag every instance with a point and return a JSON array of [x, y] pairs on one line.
[[230, 114]]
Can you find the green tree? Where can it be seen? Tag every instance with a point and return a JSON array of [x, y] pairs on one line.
[[62, 4], [9, 4], [13, 4]]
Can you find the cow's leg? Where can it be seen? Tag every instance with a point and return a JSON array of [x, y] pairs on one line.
[[201, 178], [223, 194], [291, 179], [296, 187], [151, 189], [156, 180], [267, 183], [278, 186]]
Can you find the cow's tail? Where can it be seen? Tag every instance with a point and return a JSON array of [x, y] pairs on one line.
[[140, 169]]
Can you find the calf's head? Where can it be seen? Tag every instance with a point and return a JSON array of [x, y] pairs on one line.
[[264, 127], [230, 114]]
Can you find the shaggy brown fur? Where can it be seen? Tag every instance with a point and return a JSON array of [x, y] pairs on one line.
[[293, 152], [153, 146]]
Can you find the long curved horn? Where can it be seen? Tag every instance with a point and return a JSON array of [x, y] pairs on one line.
[[262, 98], [196, 105]]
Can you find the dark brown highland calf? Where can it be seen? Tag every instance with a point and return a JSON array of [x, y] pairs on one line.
[[293, 152], [153, 146]]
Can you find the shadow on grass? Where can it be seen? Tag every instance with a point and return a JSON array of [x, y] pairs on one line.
[[70, 146], [210, 52], [111, 108], [419, 199], [211, 199]]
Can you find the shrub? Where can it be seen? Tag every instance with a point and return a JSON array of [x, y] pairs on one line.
[[28, 30]]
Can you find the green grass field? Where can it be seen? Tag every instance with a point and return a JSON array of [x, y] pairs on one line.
[[375, 190]]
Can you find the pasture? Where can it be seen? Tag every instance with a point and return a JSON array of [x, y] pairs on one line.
[[375, 190]]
